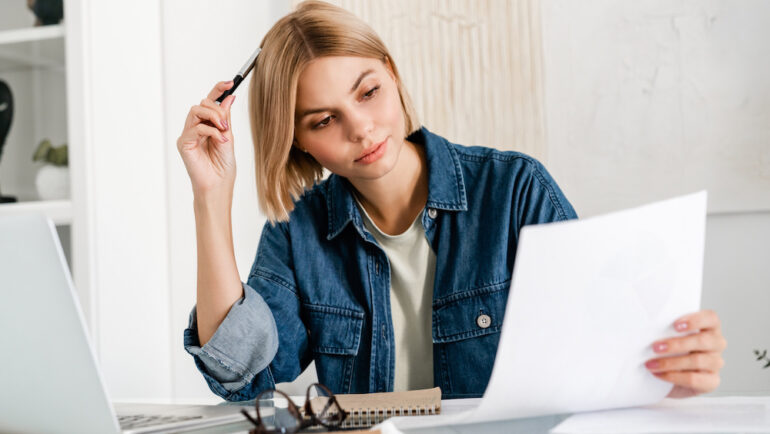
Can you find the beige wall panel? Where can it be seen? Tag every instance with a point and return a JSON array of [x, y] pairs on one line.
[[473, 68]]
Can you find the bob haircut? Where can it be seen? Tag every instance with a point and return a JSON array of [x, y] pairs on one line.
[[314, 29]]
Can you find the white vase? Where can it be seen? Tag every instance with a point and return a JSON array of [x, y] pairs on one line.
[[53, 182]]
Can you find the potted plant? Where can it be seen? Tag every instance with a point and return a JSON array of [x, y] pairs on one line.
[[53, 178]]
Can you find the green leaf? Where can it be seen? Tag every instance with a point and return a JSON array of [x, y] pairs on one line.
[[42, 150], [58, 156]]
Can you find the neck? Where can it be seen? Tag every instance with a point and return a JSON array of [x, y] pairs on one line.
[[396, 199]]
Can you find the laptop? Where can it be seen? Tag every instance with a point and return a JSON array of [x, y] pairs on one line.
[[49, 376]]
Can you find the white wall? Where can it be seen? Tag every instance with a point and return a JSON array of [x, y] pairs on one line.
[[650, 99], [119, 172], [736, 283]]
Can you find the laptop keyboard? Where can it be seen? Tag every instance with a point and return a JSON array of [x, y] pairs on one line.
[[132, 421]]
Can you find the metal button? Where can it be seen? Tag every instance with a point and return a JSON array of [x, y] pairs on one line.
[[484, 321], [432, 213]]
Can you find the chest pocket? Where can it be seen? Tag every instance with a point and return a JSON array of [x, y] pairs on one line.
[[335, 336], [467, 327], [467, 316]]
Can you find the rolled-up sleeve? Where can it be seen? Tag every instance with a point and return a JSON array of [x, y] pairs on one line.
[[248, 353], [243, 345]]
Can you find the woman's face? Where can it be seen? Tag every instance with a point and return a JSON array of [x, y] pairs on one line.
[[349, 116]]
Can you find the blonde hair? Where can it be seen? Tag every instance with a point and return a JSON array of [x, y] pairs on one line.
[[315, 29]]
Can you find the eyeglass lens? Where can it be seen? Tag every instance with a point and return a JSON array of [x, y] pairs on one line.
[[326, 410], [276, 412]]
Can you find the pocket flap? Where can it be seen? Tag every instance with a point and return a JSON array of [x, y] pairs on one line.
[[473, 313], [334, 330]]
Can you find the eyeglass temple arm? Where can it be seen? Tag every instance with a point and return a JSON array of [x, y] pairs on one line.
[[248, 416]]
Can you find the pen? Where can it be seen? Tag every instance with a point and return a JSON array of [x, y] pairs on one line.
[[242, 73]]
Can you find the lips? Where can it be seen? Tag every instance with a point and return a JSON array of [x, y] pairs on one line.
[[371, 150]]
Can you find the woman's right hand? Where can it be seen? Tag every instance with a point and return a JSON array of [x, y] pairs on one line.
[[206, 144]]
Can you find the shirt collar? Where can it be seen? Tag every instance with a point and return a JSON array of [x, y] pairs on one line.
[[446, 188]]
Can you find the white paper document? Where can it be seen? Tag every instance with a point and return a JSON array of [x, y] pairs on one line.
[[587, 300]]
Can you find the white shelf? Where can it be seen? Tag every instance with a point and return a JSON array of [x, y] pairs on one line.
[[60, 211], [32, 47], [31, 34]]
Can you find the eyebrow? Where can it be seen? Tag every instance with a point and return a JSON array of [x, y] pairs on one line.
[[352, 89]]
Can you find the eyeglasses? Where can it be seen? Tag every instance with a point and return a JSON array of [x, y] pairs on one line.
[[277, 413]]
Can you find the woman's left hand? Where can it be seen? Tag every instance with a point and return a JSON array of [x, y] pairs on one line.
[[696, 369]]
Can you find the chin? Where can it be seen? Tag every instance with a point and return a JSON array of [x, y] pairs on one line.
[[375, 171]]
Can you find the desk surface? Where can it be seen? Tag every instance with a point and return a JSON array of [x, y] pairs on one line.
[[693, 415]]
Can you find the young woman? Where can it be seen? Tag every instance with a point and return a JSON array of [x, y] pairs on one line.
[[392, 273]]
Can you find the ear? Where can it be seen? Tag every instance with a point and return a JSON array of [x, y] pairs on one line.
[[295, 143]]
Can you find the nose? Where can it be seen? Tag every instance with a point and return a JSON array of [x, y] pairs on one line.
[[360, 125]]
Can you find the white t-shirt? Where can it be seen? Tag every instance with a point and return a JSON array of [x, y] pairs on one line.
[[412, 269]]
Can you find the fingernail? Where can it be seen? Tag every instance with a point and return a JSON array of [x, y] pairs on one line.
[[660, 347], [225, 124], [229, 82], [224, 139], [652, 364], [681, 326]]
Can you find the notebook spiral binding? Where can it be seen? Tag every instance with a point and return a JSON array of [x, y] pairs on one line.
[[366, 417]]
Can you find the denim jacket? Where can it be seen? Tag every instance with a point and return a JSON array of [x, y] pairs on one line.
[[319, 287]]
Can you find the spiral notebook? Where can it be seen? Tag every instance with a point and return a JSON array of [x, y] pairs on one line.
[[369, 409]]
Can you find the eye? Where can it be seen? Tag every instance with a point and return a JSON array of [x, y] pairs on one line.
[[323, 123], [371, 92]]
